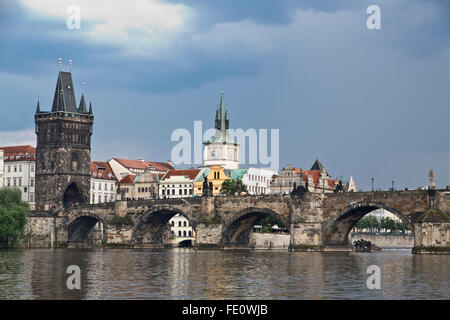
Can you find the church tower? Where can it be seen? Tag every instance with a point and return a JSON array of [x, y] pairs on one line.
[[63, 149], [222, 149]]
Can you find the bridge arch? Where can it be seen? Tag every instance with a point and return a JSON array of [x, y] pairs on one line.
[[80, 226], [337, 230], [237, 232], [153, 227]]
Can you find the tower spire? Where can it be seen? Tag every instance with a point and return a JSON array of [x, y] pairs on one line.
[[82, 107], [38, 108]]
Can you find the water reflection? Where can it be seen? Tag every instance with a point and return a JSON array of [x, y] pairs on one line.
[[188, 274]]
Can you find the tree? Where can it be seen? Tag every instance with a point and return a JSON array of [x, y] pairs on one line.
[[230, 186], [13, 215]]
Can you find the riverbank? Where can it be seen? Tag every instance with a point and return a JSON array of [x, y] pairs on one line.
[[386, 241]]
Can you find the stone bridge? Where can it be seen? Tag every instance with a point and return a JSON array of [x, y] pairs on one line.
[[315, 221]]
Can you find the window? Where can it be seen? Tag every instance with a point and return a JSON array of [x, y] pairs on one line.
[[99, 199], [15, 168], [190, 233], [179, 233], [9, 182], [180, 192], [99, 186], [173, 192], [173, 223], [163, 192], [31, 197], [15, 182], [74, 161], [185, 191], [112, 187], [184, 224], [20, 182], [9, 168], [20, 168], [179, 223], [32, 182], [184, 233]]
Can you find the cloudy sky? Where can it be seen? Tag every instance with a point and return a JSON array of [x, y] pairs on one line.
[[367, 103]]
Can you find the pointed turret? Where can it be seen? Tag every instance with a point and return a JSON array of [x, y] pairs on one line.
[[90, 107], [317, 166], [64, 99], [82, 108], [38, 108]]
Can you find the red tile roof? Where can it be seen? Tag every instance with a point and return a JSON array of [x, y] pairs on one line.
[[19, 153], [138, 164], [190, 173], [315, 174], [102, 170], [128, 179]]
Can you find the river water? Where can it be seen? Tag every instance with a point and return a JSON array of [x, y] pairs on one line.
[[228, 274]]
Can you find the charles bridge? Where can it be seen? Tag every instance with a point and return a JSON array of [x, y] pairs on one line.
[[316, 222]]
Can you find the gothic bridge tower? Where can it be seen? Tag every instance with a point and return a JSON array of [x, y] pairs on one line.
[[63, 151]]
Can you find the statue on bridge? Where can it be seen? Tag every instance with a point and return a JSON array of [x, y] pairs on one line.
[[207, 187], [339, 187], [298, 191]]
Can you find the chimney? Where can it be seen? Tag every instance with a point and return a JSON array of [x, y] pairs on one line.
[[140, 159]]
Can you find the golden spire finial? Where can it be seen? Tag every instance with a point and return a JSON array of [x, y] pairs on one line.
[[70, 65], [59, 63]]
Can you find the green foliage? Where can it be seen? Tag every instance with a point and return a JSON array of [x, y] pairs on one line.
[[122, 221], [269, 221], [229, 186], [373, 224], [13, 215]]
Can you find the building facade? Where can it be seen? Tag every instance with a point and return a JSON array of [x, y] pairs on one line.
[[215, 175], [221, 150], [315, 180], [178, 183], [63, 152], [180, 229], [140, 186], [103, 183], [18, 171], [258, 180], [125, 167]]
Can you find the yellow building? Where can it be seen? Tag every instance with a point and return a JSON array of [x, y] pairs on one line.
[[216, 175]]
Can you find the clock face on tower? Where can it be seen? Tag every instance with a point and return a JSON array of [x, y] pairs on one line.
[[214, 154]]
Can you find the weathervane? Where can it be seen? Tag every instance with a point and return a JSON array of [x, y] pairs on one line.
[[70, 65], [59, 63]]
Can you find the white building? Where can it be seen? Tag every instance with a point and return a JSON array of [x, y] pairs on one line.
[[179, 183], [19, 171], [180, 229], [258, 180], [103, 183], [124, 167], [383, 213]]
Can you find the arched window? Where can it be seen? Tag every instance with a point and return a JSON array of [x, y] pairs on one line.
[[179, 223], [74, 161], [190, 233], [184, 223], [179, 233], [184, 233]]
